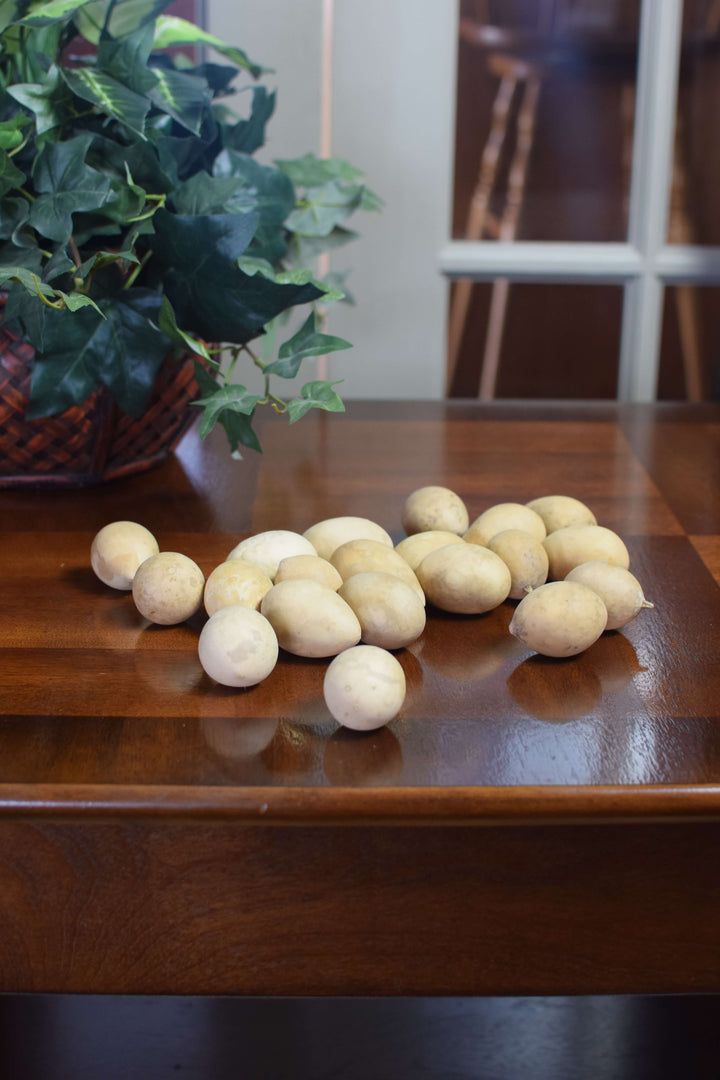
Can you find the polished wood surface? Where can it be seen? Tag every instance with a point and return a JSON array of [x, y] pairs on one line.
[[161, 834]]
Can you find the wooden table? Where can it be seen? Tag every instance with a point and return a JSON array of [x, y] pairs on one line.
[[525, 826]]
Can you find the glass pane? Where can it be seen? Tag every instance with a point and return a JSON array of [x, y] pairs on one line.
[[689, 363], [544, 121], [535, 341], [695, 208]]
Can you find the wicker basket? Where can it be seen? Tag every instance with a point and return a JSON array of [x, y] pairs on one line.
[[91, 442]]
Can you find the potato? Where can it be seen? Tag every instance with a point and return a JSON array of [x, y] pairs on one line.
[[502, 516], [325, 536], [237, 646], [168, 588], [434, 507], [266, 549], [364, 687], [561, 618], [575, 544], [464, 578], [619, 590], [559, 511], [359, 556], [390, 612], [414, 548], [525, 558], [311, 567], [310, 619], [117, 551], [235, 581]]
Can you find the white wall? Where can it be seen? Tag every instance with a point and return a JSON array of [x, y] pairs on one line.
[[393, 116]]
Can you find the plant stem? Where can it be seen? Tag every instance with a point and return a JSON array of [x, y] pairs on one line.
[[136, 270]]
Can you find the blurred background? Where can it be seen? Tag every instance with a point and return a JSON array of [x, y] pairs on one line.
[[506, 122]]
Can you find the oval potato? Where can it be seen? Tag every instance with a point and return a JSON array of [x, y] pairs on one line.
[[525, 558], [311, 567], [237, 646], [619, 590], [503, 516], [434, 507], [359, 556], [560, 618], [414, 548], [325, 536], [575, 544], [266, 549], [168, 588], [118, 549], [559, 511], [390, 612], [310, 619], [235, 581], [464, 578]]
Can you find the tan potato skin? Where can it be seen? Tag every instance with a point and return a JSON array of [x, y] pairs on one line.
[[266, 549], [560, 618], [414, 548], [309, 619], [390, 612], [619, 590], [311, 567], [434, 507], [327, 535], [575, 544], [464, 578], [237, 646], [502, 516], [360, 556], [559, 511], [235, 581], [525, 558], [118, 549], [168, 588]]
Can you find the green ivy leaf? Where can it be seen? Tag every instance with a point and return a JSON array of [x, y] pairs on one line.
[[315, 395], [306, 342], [43, 12], [205, 194], [300, 276], [123, 351], [125, 17], [11, 131], [171, 31], [10, 176], [198, 256], [168, 324], [267, 190], [14, 213], [238, 426], [232, 398], [325, 207], [247, 136], [67, 185], [183, 96], [44, 100], [127, 59], [310, 171], [109, 96]]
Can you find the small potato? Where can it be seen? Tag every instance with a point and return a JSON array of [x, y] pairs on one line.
[[619, 590], [235, 581], [266, 549], [311, 567], [464, 578], [390, 612], [559, 511], [309, 619], [561, 618], [325, 536], [575, 544], [359, 556], [117, 551], [502, 516], [414, 548], [168, 588], [364, 687], [525, 558], [237, 646], [434, 507]]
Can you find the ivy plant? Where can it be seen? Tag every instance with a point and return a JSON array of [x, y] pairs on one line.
[[135, 220]]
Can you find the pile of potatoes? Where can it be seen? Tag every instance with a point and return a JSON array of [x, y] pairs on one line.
[[342, 590]]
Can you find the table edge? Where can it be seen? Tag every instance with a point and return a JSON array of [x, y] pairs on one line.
[[412, 806]]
